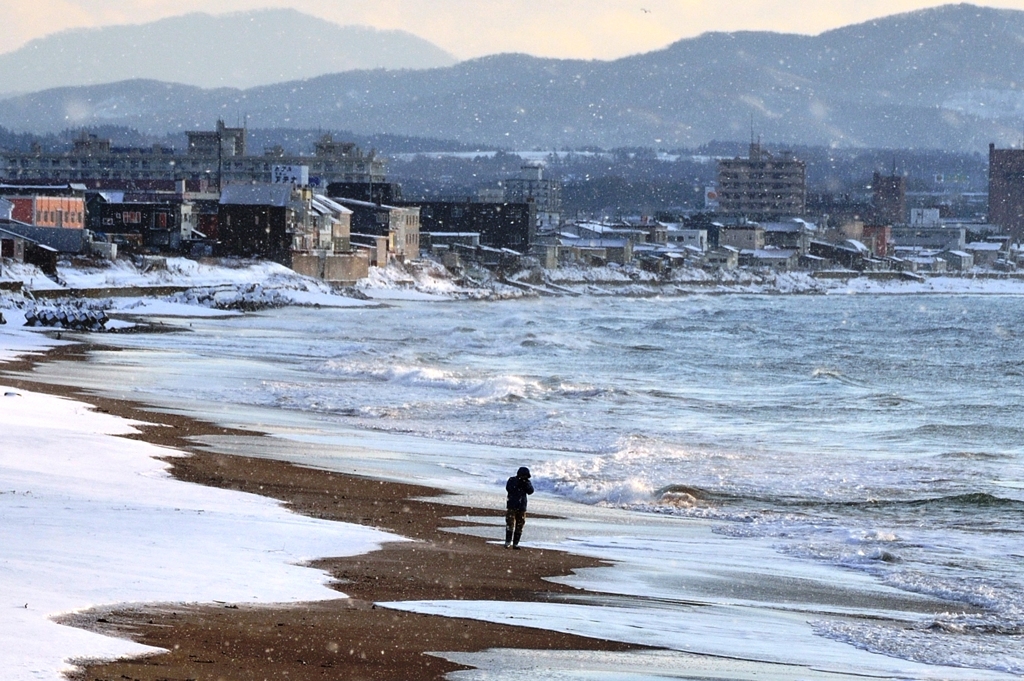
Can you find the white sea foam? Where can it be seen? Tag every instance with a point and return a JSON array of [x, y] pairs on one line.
[[934, 643]]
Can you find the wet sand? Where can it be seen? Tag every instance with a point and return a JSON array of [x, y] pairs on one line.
[[345, 638]]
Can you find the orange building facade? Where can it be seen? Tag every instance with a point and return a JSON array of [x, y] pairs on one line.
[[49, 211]]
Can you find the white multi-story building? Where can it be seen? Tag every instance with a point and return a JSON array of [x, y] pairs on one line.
[[531, 187]]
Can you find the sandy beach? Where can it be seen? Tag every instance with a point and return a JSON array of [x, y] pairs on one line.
[[347, 638]]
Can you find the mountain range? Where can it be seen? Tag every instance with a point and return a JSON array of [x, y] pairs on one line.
[[232, 50], [948, 78]]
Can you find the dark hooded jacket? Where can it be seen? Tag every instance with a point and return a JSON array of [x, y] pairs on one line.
[[518, 487]]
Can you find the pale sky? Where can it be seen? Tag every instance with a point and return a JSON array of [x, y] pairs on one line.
[[588, 29]]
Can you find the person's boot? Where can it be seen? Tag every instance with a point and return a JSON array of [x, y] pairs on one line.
[[515, 540], [508, 538]]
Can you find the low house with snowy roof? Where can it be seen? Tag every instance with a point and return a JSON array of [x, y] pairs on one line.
[[958, 261], [914, 259], [986, 253], [19, 248], [156, 221], [58, 239], [597, 251], [782, 259], [12, 244], [850, 254], [600, 230], [331, 223], [792, 234], [813, 263], [681, 236], [259, 220], [722, 258]]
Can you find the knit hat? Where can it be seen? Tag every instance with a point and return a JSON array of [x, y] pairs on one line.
[[523, 472]]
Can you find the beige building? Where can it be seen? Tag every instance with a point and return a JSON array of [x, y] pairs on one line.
[[743, 237], [762, 186], [399, 226]]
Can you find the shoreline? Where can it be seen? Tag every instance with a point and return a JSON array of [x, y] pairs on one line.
[[425, 280], [722, 592], [349, 636]]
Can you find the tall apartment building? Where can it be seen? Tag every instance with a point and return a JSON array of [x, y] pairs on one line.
[[546, 194], [889, 199], [214, 158], [762, 186], [222, 142], [1006, 190]]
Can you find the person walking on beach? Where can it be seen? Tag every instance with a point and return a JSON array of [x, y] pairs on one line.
[[518, 487]]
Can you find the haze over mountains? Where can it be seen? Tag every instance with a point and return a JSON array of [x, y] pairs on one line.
[[234, 50], [949, 77]]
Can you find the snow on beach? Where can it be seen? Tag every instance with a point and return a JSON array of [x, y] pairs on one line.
[[90, 519], [227, 286]]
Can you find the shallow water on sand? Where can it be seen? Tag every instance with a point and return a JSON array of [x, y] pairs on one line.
[[865, 444]]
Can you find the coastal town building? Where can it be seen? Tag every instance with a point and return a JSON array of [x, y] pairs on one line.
[[878, 238], [151, 221], [291, 225], [399, 226], [591, 229], [17, 247], [986, 253], [546, 194], [224, 142], [742, 236], [794, 234], [723, 257], [374, 192], [937, 236], [680, 235], [1006, 190], [956, 260], [50, 215], [60, 206], [889, 199], [850, 254], [781, 259], [213, 158], [500, 225], [259, 221], [596, 252], [762, 186]]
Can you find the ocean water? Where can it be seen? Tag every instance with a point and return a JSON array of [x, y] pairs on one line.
[[878, 439]]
